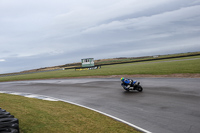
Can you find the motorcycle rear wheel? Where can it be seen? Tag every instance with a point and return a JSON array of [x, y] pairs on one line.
[[139, 88]]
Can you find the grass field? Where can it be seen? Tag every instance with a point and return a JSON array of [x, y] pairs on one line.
[[118, 60], [39, 116], [160, 67]]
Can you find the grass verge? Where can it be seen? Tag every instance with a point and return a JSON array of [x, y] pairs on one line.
[[39, 116]]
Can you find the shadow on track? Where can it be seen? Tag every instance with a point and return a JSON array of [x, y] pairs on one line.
[[131, 93]]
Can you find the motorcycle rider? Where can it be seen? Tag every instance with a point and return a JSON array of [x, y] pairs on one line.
[[128, 82]]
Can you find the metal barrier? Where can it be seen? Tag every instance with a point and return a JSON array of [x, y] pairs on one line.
[[87, 68]]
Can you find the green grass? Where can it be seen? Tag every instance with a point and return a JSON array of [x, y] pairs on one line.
[[148, 67], [39, 116], [146, 58]]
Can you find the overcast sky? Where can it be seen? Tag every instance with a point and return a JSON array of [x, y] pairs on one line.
[[42, 33]]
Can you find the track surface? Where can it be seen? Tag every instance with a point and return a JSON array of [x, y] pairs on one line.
[[166, 105]]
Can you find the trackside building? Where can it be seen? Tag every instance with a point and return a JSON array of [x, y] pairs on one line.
[[87, 64]]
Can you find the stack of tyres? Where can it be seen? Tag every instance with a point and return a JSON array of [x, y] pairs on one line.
[[8, 124]]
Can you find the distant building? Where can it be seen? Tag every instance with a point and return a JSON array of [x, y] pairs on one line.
[[155, 56], [87, 62]]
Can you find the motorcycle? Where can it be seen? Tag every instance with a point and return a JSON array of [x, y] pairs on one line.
[[129, 84]]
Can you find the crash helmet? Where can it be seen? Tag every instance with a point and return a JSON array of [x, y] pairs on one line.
[[122, 79]]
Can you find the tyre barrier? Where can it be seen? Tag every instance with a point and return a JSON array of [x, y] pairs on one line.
[[4, 113], [2, 110], [8, 130], [6, 116], [8, 124]]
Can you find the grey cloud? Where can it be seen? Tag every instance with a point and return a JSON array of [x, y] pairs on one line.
[[47, 33]]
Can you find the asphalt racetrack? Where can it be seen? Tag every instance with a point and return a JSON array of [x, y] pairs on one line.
[[166, 105]]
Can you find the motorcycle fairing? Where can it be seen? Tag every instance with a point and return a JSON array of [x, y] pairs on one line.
[[126, 81]]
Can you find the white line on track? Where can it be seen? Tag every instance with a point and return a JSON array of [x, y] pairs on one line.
[[42, 97]]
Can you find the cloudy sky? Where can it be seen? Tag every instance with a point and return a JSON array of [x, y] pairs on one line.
[[42, 33]]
